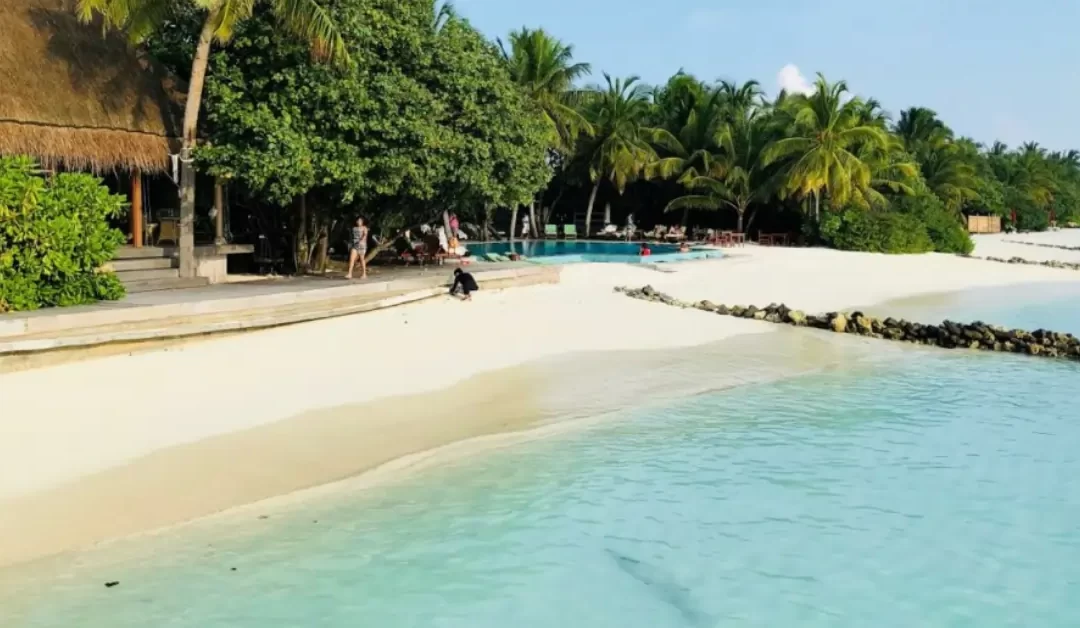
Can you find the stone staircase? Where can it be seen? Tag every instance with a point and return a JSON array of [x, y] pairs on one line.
[[151, 268]]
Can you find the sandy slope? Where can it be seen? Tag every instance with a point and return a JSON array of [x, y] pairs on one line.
[[60, 426]]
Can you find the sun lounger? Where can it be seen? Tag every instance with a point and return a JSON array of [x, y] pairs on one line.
[[551, 232], [569, 232]]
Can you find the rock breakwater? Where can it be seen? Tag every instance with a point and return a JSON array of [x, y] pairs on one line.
[[947, 335], [1045, 245], [1020, 260]]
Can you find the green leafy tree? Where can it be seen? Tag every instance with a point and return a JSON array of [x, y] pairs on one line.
[[55, 238], [426, 119], [142, 18]]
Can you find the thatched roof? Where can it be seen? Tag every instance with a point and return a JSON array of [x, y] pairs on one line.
[[71, 95]]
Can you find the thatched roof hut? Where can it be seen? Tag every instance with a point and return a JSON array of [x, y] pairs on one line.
[[74, 96]]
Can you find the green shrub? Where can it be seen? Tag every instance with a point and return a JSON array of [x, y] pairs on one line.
[[856, 229], [54, 235], [945, 228]]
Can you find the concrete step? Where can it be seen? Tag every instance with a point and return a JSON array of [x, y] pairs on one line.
[[153, 273], [168, 283], [130, 252], [142, 263]]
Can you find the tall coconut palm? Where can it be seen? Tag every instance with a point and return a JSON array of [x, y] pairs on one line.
[[739, 100], [820, 156], [948, 168], [919, 125], [619, 149], [690, 146], [544, 67], [141, 18], [740, 177]]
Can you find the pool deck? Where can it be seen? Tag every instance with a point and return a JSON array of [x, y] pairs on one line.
[[232, 307]]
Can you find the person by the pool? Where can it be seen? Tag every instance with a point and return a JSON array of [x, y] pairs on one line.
[[465, 283], [645, 250], [684, 247]]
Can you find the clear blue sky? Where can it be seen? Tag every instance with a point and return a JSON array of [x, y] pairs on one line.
[[993, 69]]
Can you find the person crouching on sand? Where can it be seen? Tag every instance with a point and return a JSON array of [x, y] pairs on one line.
[[465, 283]]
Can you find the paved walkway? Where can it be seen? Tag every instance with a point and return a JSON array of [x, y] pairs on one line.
[[239, 306]]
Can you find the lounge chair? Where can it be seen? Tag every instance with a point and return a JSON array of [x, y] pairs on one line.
[[551, 232], [569, 232]]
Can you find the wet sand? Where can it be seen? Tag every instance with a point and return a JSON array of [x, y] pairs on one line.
[[182, 483]]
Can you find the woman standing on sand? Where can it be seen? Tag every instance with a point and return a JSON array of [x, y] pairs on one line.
[[358, 248]]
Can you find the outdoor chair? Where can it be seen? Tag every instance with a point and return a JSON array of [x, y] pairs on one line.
[[551, 232], [169, 230], [569, 232]]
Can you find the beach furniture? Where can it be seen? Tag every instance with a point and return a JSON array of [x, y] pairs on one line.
[[551, 232], [570, 232]]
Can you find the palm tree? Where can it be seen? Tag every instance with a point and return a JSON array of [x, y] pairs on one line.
[[619, 149], [820, 155], [947, 167], [739, 100], [544, 67], [919, 125], [141, 18], [740, 177], [691, 144]]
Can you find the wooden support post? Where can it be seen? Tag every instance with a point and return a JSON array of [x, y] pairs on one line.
[[136, 208], [219, 213]]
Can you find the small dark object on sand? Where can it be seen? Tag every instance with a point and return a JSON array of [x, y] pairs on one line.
[[264, 516], [232, 569], [111, 584]]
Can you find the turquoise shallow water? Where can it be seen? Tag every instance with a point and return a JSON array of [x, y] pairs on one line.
[[932, 489]]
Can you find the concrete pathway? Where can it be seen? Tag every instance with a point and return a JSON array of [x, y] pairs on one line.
[[239, 306]]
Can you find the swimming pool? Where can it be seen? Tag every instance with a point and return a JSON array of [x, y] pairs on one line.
[[566, 252]]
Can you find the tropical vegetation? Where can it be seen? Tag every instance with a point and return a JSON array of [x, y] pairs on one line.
[[418, 116], [55, 238]]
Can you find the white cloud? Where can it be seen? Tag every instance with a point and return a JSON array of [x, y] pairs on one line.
[[791, 78]]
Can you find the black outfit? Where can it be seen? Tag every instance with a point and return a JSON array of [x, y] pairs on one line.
[[464, 282]]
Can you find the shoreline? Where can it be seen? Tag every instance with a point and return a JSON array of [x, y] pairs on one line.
[[305, 455], [198, 437]]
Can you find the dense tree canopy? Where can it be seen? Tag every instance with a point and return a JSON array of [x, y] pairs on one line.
[[428, 116]]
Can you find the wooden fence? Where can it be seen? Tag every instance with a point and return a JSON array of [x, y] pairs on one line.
[[984, 224]]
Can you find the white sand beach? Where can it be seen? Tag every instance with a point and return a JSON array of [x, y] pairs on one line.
[[83, 428]]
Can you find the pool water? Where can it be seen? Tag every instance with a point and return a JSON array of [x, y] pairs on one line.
[[565, 252]]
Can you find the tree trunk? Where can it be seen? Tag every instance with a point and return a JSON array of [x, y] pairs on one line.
[[446, 225], [750, 220], [513, 221], [817, 207], [686, 218], [740, 211], [532, 219], [322, 249], [190, 130], [588, 211], [303, 250]]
